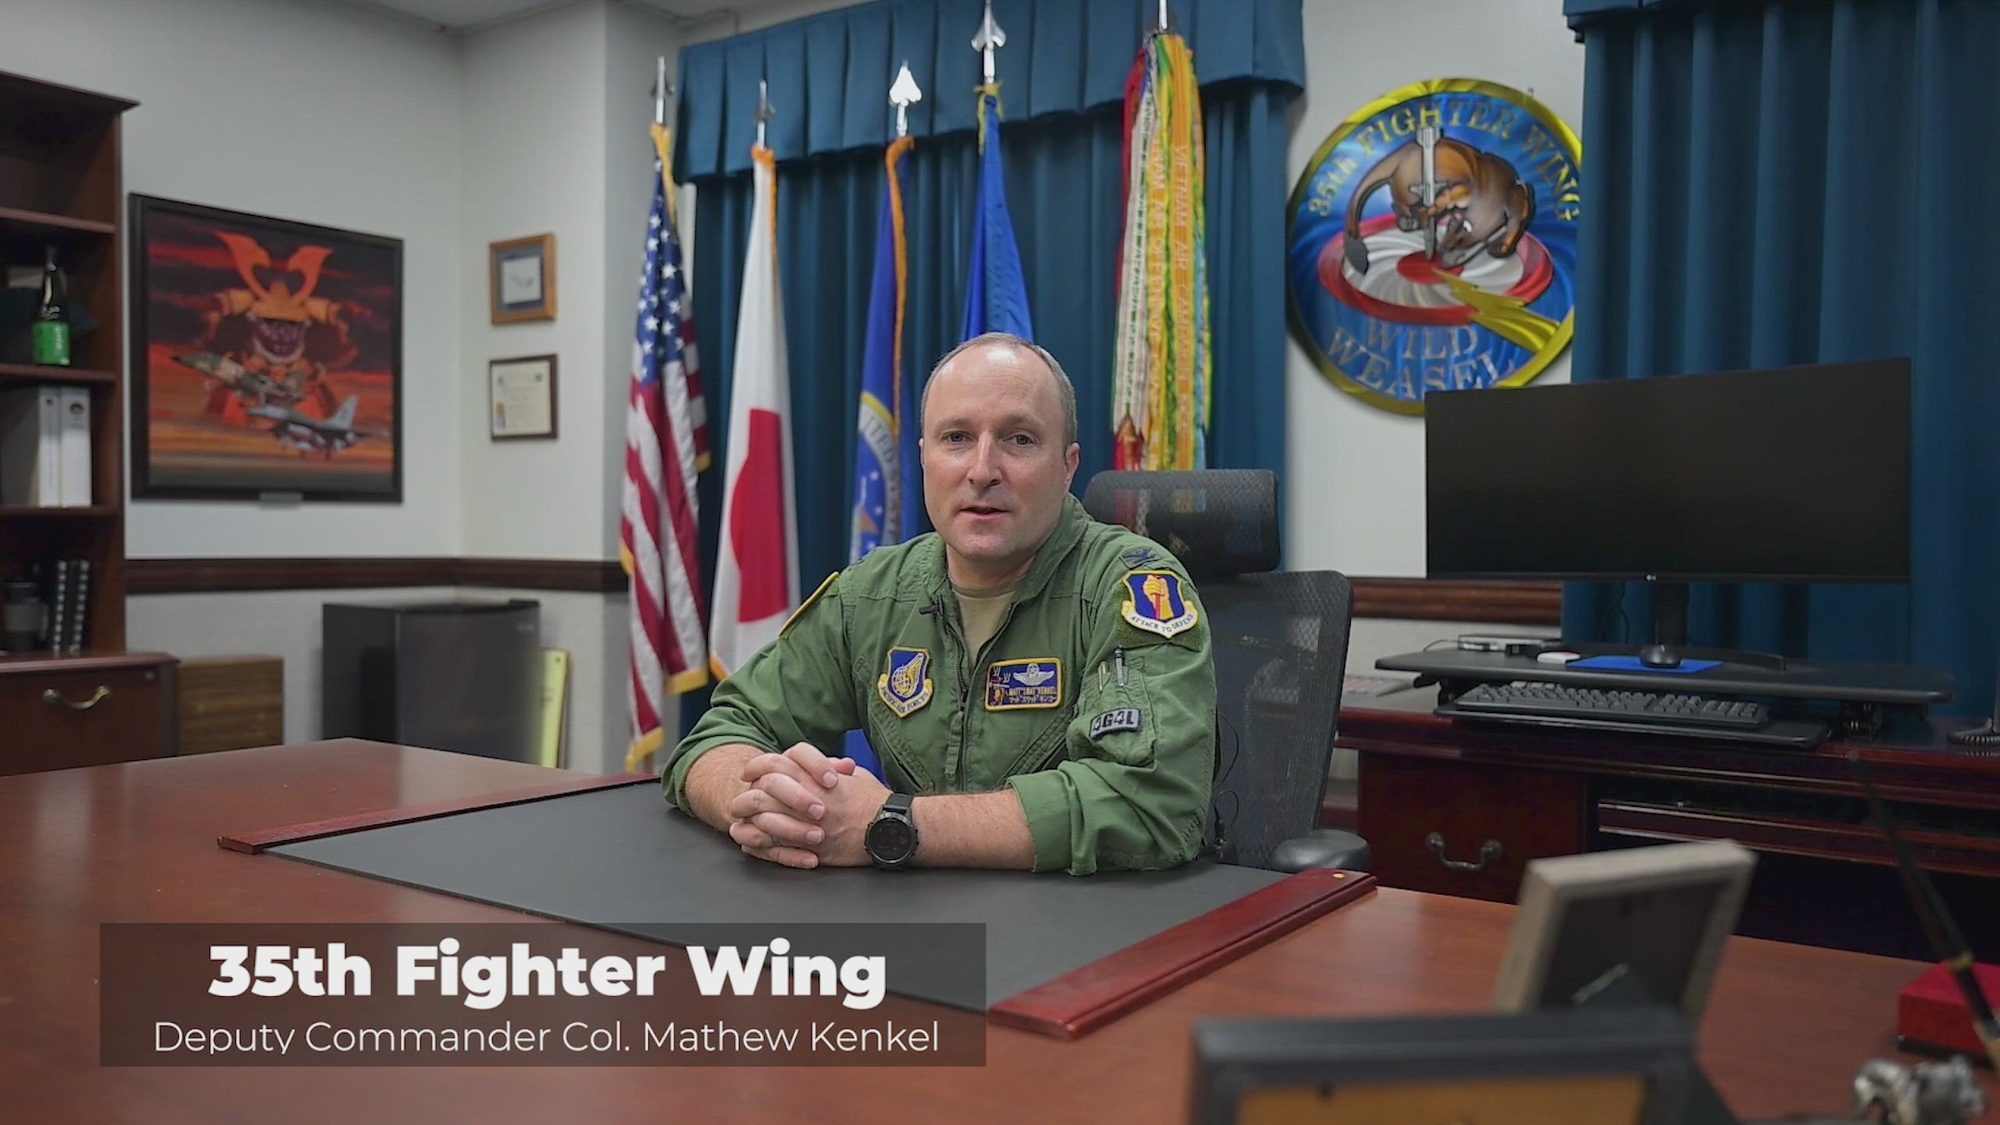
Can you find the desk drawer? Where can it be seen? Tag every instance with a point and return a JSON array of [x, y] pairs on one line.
[[84, 717], [1448, 827]]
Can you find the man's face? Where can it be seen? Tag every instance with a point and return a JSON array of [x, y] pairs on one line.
[[996, 467]]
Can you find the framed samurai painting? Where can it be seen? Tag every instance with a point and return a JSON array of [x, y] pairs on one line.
[[266, 357]]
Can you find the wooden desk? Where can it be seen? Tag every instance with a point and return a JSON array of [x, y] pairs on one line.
[[1825, 873], [136, 842]]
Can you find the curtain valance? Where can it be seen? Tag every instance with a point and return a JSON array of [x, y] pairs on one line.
[[829, 74]]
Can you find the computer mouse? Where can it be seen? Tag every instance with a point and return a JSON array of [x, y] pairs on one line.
[[1659, 656]]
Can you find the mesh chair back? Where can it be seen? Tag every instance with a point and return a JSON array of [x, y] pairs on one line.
[[1217, 522], [1280, 644], [1279, 639]]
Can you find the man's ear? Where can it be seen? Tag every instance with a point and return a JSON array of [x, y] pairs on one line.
[[1071, 459]]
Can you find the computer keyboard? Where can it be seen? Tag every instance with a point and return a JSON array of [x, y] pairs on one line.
[[1667, 714], [1667, 709]]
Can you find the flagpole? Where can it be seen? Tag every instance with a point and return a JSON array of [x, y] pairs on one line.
[[666, 449], [662, 90], [764, 110]]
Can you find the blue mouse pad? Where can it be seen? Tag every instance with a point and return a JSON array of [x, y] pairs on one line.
[[1632, 664]]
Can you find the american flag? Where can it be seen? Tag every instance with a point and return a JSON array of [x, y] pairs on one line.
[[666, 444]]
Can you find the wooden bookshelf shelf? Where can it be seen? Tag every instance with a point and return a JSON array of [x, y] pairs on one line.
[[60, 182], [43, 373], [19, 219], [61, 185]]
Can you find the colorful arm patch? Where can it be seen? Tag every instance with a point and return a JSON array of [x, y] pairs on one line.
[[1156, 603]]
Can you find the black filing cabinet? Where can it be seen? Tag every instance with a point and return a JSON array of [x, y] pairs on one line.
[[447, 675]]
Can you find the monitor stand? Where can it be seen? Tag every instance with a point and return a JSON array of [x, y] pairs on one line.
[[1670, 627]]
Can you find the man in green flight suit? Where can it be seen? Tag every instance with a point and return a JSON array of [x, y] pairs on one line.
[[1038, 685]]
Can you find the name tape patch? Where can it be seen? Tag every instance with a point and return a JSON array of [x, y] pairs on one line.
[[1111, 722], [1024, 684]]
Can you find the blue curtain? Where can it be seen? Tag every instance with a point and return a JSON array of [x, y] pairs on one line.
[[1064, 170], [1796, 181]]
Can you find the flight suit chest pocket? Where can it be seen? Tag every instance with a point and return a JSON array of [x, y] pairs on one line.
[[1025, 706]]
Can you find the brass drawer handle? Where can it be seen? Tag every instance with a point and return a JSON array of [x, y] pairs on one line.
[[52, 697], [1488, 852]]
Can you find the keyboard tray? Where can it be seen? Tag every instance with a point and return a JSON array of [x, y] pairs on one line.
[[1794, 734]]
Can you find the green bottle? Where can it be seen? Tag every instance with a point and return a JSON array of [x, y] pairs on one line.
[[52, 315]]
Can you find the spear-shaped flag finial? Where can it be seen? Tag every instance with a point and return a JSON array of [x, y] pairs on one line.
[[662, 90], [989, 39], [903, 94]]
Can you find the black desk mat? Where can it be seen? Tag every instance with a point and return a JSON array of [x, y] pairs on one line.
[[621, 859]]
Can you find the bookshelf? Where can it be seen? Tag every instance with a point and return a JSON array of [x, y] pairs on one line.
[[61, 185]]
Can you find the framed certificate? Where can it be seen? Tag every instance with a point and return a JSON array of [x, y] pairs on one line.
[[522, 278], [521, 397]]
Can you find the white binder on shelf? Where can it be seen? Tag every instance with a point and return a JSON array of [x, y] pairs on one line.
[[31, 446], [74, 446]]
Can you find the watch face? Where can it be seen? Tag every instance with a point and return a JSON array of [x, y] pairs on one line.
[[890, 839]]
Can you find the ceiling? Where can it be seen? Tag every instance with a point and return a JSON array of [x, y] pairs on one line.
[[467, 15]]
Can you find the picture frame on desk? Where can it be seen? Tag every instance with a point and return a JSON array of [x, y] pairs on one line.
[[266, 357], [1662, 914]]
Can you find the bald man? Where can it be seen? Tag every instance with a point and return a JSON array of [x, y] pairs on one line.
[[1038, 685]]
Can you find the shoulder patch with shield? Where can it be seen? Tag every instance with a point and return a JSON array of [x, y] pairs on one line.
[[1156, 602]]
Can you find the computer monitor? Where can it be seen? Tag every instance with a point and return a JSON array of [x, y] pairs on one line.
[[1795, 474]]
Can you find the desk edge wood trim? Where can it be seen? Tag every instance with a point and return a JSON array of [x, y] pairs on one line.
[[253, 842], [1079, 1002], [217, 576]]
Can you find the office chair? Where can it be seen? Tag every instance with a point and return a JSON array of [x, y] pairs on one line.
[[1280, 645]]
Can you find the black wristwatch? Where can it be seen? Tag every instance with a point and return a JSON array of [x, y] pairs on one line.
[[892, 836]]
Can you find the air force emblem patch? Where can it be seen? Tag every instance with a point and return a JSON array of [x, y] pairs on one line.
[[1021, 684], [1156, 603], [907, 685]]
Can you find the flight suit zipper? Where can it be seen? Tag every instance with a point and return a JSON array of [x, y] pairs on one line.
[[955, 756]]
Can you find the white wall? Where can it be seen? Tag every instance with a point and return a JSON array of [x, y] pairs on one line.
[[325, 113], [1355, 500], [534, 154], [557, 109]]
